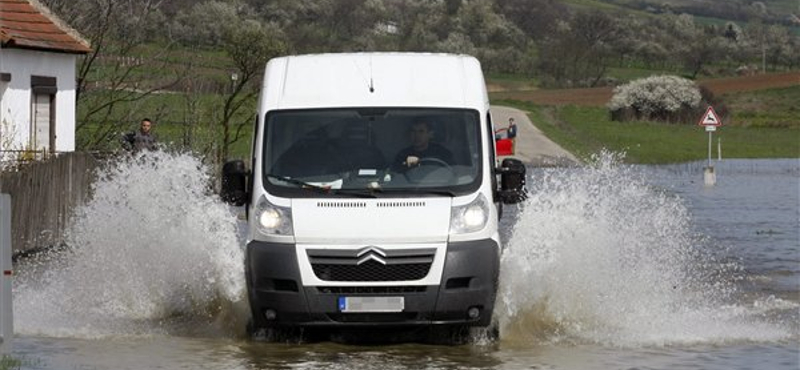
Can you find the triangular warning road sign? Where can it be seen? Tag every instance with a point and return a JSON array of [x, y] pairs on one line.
[[710, 118]]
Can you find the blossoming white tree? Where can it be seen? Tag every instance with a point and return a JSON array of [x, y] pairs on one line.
[[663, 98]]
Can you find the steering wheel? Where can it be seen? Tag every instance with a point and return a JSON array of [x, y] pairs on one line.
[[433, 161], [418, 173]]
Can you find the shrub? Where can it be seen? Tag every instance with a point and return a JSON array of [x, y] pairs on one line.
[[658, 98]]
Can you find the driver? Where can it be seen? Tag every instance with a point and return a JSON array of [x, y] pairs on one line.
[[421, 147]]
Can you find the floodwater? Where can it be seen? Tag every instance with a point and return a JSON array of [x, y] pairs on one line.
[[606, 266]]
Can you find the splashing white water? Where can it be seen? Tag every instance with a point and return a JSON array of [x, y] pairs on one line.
[[599, 256], [596, 256], [152, 252]]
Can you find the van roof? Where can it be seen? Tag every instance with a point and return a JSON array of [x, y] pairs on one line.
[[374, 79]]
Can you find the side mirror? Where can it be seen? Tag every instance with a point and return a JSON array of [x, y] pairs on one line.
[[234, 183], [512, 181]]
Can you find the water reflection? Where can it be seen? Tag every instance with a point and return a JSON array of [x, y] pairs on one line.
[[339, 356]]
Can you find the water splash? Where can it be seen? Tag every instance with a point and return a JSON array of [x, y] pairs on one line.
[[599, 256], [596, 256], [152, 252]]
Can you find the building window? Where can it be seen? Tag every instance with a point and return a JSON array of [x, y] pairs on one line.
[[43, 113]]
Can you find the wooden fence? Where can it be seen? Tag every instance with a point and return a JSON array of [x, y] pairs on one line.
[[43, 197]]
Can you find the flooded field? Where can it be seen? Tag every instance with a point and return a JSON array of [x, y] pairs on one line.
[[605, 266]]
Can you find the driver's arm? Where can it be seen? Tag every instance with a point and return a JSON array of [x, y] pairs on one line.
[[400, 163]]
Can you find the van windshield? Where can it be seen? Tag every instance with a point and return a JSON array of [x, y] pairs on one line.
[[372, 152]]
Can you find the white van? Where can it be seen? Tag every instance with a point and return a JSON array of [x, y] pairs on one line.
[[374, 195]]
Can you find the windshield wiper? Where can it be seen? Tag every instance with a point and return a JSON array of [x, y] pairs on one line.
[[446, 193], [360, 193], [301, 184]]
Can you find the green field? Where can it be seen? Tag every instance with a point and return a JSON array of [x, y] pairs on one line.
[[588, 130], [766, 108], [181, 122]]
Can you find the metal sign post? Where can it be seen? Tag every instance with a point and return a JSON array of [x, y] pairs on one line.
[[711, 121], [6, 307], [710, 130]]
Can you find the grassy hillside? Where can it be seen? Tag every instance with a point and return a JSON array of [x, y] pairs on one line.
[[716, 12], [773, 7]]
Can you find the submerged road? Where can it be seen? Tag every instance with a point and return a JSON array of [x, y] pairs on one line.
[[531, 146]]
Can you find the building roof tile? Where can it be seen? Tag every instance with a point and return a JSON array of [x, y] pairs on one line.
[[28, 24]]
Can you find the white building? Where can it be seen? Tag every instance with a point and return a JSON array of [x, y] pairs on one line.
[[38, 53]]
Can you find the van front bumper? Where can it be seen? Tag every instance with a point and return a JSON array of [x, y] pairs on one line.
[[278, 298]]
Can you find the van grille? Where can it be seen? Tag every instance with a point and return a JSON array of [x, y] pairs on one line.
[[400, 204], [341, 204], [371, 271], [405, 289], [383, 204], [371, 264]]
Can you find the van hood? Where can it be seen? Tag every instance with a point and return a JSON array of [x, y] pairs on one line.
[[342, 221]]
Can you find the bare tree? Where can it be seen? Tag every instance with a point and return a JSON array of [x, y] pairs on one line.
[[198, 120], [536, 18], [118, 71], [697, 46], [250, 45], [579, 51]]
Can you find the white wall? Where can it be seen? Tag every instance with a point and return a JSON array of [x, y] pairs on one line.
[[16, 97]]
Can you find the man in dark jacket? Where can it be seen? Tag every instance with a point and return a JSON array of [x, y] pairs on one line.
[[421, 147], [140, 139]]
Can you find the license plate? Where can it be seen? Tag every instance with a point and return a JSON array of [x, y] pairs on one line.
[[371, 304]]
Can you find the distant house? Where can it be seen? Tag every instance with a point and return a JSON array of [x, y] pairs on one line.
[[38, 53]]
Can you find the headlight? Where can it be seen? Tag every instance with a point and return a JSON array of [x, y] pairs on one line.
[[272, 219], [471, 217]]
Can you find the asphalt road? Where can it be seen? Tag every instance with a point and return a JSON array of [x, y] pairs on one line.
[[531, 146]]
